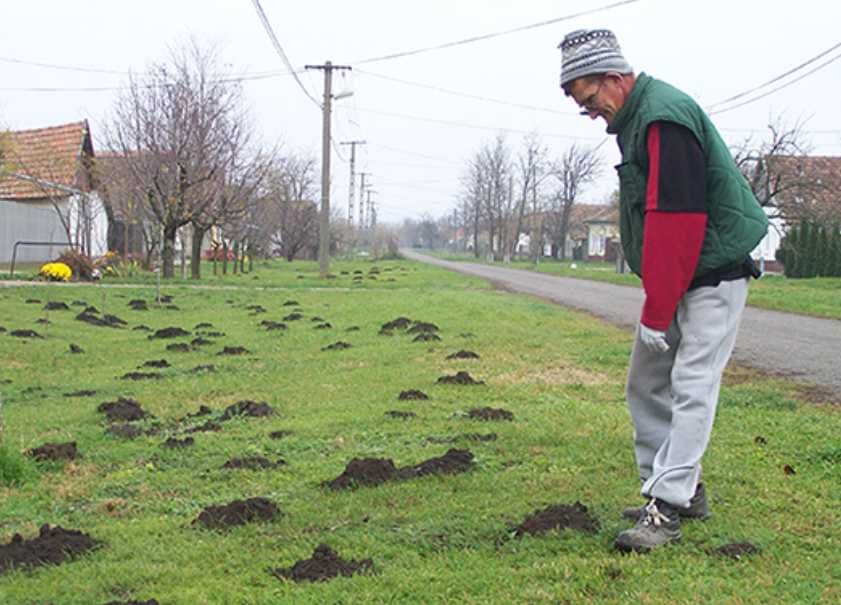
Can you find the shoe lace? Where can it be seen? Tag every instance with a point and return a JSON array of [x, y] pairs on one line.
[[653, 516]]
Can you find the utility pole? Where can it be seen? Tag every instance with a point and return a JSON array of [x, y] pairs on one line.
[[324, 222], [372, 216], [353, 145], [362, 200]]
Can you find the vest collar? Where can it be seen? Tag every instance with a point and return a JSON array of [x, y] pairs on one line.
[[623, 116]]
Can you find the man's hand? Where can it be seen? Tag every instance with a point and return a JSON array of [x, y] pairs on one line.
[[653, 340]]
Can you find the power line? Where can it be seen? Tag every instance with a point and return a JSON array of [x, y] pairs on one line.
[[468, 95], [494, 34], [276, 43], [778, 78], [778, 88]]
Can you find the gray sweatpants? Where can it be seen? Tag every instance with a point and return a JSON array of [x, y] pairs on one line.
[[672, 396]]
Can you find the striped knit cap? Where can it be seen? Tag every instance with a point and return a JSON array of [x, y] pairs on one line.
[[591, 52]]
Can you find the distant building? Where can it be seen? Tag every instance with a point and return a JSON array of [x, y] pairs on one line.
[[47, 194]]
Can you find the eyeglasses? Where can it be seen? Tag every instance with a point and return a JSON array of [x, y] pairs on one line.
[[589, 103]]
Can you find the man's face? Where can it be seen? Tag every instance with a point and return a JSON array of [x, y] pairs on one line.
[[598, 97]]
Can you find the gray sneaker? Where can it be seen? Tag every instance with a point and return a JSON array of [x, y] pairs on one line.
[[699, 508], [658, 526]]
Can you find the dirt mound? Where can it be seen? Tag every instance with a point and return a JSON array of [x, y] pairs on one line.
[[317, 318], [176, 444], [166, 298], [256, 309], [737, 550], [463, 355], [291, 303], [293, 317], [89, 315], [353, 329], [54, 451], [43, 321], [560, 516], [124, 431], [460, 378], [337, 346], [171, 332], [364, 472], [401, 323], [213, 334], [32, 301], [203, 325], [149, 602], [122, 409], [82, 393], [79, 303], [200, 342], [179, 347], [156, 363], [142, 328], [56, 306], [325, 326], [234, 351], [454, 461], [91, 309], [141, 376], [237, 512], [247, 407], [25, 334], [76, 349], [273, 325], [52, 546], [323, 565], [401, 415], [426, 337], [203, 368], [279, 434], [253, 463], [490, 414], [202, 411], [412, 395], [422, 327], [138, 305]]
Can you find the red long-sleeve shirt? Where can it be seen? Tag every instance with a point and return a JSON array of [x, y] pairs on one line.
[[675, 220]]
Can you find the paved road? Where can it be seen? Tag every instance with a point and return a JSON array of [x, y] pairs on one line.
[[803, 348]]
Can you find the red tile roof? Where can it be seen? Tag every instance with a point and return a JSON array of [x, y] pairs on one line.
[[55, 154], [815, 179]]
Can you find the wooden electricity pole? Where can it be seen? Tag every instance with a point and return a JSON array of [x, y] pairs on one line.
[[324, 222]]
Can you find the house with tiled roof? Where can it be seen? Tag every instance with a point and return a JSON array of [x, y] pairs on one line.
[[47, 193], [592, 232]]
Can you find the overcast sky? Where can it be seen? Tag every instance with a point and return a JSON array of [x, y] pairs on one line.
[[712, 49]]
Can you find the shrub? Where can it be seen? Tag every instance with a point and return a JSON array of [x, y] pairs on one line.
[[55, 272], [81, 264], [14, 468]]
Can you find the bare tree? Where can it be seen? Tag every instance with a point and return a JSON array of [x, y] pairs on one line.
[[289, 205], [532, 170], [173, 125], [577, 168]]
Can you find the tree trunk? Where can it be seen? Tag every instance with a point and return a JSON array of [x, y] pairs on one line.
[[195, 253], [168, 252], [224, 257], [236, 256]]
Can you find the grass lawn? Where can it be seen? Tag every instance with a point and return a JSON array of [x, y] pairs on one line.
[[819, 297], [432, 539]]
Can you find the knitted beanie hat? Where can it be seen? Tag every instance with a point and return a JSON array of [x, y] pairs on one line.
[[591, 52]]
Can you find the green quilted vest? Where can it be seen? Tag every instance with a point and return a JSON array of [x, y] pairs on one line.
[[736, 223]]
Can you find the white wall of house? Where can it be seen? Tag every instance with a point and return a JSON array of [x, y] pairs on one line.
[[767, 248], [38, 220]]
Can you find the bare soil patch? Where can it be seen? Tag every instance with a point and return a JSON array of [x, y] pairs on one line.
[[426, 337], [207, 368], [179, 347], [253, 463], [293, 317], [234, 351], [279, 434], [133, 602], [156, 363], [460, 378], [490, 414], [237, 512], [401, 415], [54, 451], [203, 325], [256, 309], [422, 327], [56, 306], [412, 395], [324, 565], [454, 461], [138, 305], [32, 301], [170, 332], [53, 545], [214, 334], [142, 328], [273, 325], [200, 342], [337, 346], [247, 407], [43, 321], [737, 550], [560, 516], [122, 409], [141, 376], [463, 355], [375, 471], [90, 316], [291, 303], [76, 349], [25, 334], [124, 430], [324, 326], [173, 443], [82, 393]]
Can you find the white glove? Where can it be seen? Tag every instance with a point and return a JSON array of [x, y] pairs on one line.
[[653, 340]]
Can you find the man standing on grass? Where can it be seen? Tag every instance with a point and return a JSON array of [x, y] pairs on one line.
[[688, 221]]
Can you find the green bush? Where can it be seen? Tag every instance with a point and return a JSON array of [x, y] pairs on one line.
[[811, 250]]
